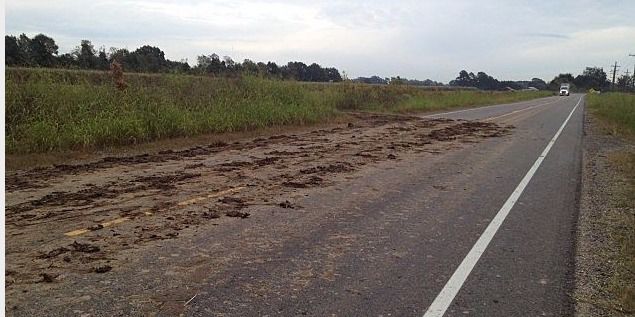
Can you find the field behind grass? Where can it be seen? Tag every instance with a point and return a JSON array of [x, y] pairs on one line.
[[51, 110], [617, 113]]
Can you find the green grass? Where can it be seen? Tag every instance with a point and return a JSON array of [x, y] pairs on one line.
[[616, 110], [55, 110]]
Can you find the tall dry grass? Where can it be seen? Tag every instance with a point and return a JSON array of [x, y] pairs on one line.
[[54, 110]]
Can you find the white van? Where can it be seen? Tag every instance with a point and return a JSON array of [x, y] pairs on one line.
[[564, 89]]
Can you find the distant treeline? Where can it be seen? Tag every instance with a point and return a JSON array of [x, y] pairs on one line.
[[593, 78], [486, 82], [396, 81], [42, 51]]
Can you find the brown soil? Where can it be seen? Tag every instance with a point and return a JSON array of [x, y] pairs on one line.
[[77, 218]]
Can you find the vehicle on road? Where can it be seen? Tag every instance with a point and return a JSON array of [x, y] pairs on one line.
[[564, 89]]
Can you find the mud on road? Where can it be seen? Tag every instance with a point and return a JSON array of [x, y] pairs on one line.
[[75, 219]]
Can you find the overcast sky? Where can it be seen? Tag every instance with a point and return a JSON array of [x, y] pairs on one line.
[[421, 39]]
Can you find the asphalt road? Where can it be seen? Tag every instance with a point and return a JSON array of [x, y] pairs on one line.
[[387, 241], [394, 237], [391, 250]]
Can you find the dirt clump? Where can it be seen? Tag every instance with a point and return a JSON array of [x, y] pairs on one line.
[[330, 168], [468, 128], [211, 214], [84, 247], [53, 253], [309, 182], [102, 269], [237, 214], [286, 204], [165, 182], [48, 278], [234, 202]]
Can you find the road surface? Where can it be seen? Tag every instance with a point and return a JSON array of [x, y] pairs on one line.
[[397, 217]]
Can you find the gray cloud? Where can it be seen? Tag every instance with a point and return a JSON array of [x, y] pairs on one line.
[[418, 39]]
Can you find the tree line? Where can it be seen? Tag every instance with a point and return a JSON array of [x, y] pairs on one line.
[[593, 78], [483, 81], [42, 51], [396, 81]]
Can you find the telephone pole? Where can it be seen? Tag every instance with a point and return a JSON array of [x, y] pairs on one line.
[[615, 67], [633, 55]]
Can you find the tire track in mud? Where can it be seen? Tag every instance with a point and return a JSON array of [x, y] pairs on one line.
[[160, 194]]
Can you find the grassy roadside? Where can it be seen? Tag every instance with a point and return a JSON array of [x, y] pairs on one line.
[[616, 110], [617, 114], [55, 110]]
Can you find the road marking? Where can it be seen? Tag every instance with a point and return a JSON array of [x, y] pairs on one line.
[[474, 109], [454, 284], [113, 222], [103, 224], [519, 110]]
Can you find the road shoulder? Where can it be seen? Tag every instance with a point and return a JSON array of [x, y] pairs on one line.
[[604, 210]]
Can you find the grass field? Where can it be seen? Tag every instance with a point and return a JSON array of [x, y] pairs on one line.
[[55, 110], [617, 112]]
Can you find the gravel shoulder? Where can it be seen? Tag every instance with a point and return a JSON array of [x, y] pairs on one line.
[[600, 220]]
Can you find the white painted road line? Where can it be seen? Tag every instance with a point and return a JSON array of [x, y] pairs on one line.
[[477, 108], [454, 284]]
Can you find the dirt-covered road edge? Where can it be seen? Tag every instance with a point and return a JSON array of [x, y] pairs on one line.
[[604, 279]]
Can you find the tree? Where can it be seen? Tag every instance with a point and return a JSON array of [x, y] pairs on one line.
[[315, 73], [297, 71], [67, 60], [102, 62], [149, 59], [43, 50], [12, 53], [85, 55], [464, 79], [230, 65], [181, 67], [24, 46], [396, 81], [624, 82], [249, 67], [561, 79], [592, 77], [372, 80], [273, 70], [210, 64], [333, 75], [486, 82], [538, 83]]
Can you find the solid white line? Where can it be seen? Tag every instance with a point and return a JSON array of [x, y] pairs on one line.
[[477, 108], [452, 287]]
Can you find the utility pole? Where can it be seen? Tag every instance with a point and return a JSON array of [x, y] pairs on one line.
[[615, 67], [633, 55], [628, 78]]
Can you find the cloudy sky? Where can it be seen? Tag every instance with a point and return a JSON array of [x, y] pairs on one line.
[[515, 39]]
